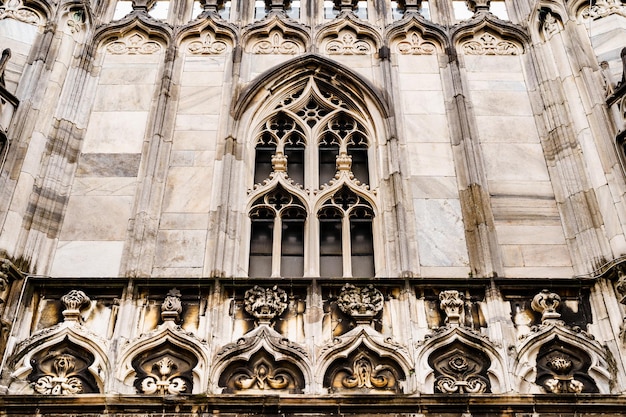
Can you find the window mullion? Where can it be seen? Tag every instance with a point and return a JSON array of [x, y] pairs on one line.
[[345, 246], [276, 247]]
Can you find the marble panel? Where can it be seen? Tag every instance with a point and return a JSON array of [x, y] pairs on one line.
[[434, 187], [115, 132], [181, 158], [196, 122], [87, 259], [420, 82], [427, 128], [546, 255], [128, 75], [496, 85], [177, 272], [184, 221], [417, 64], [496, 76], [194, 140], [511, 129], [514, 162], [509, 207], [20, 31], [124, 186], [512, 255], [501, 103], [108, 165], [135, 59], [32, 158], [423, 102], [522, 188], [523, 234], [202, 79], [188, 190], [96, 217], [135, 97], [193, 100], [539, 271], [180, 248], [11, 230], [431, 159], [204, 63], [493, 63], [204, 158], [440, 232], [445, 272]]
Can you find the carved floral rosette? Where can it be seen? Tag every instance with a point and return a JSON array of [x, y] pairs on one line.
[[265, 303], [361, 303]]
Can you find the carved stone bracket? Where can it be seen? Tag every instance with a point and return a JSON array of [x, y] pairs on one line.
[[546, 303], [265, 304], [452, 303], [477, 6], [171, 307], [74, 301], [360, 303]]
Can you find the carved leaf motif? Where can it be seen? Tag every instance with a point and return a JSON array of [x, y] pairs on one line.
[[136, 44], [61, 378], [360, 301], [415, 45], [15, 9], [604, 8], [265, 303], [487, 44], [348, 44], [276, 44], [207, 46]]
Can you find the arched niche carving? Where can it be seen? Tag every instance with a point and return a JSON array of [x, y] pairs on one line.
[[276, 35], [364, 371], [414, 35], [31, 12], [458, 359], [135, 23], [211, 32], [485, 34], [532, 362], [181, 362], [166, 369], [348, 36], [460, 369], [63, 369], [279, 354], [563, 368], [365, 352], [262, 373]]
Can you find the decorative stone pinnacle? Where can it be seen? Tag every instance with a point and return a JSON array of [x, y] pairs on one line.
[[265, 303], [361, 303], [452, 302], [546, 303], [74, 301], [171, 307]]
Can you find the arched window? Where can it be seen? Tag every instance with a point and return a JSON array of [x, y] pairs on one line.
[[314, 141]]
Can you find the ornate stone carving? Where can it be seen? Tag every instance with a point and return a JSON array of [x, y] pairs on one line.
[[487, 44], [551, 24], [546, 303], [62, 370], [478, 5], [265, 303], [164, 370], [415, 45], [562, 368], [14, 9], [134, 45], [460, 369], [360, 303], [262, 373], [74, 301], [76, 20], [171, 307], [620, 286], [603, 8], [452, 303], [207, 45], [348, 44], [276, 44]]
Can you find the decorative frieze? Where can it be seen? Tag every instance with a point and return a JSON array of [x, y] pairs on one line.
[[415, 45], [135, 44], [488, 44], [347, 43]]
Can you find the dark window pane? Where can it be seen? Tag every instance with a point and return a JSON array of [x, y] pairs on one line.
[[362, 245], [328, 151], [295, 163], [292, 248], [331, 263], [261, 248], [359, 163], [263, 162]]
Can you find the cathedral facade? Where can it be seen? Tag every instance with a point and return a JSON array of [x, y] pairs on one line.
[[307, 208]]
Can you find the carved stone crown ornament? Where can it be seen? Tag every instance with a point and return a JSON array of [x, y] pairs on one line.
[[171, 307], [546, 303], [360, 303], [452, 302], [74, 301], [265, 304]]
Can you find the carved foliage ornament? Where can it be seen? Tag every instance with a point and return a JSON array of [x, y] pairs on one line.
[[562, 368], [364, 372], [361, 303], [487, 44], [62, 370], [165, 370], [276, 44], [207, 45], [265, 303], [603, 8], [460, 369], [452, 302], [546, 303], [347, 43], [14, 9], [136, 44], [172, 306], [415, 45], [74, 301], [76, 20]]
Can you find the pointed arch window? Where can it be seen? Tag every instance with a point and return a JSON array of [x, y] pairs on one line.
[[315, 140]]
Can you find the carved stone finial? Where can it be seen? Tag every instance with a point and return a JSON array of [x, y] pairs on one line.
[[265, 303], [344, 162], [452, 302], [74, 301], [361, 303], [546, 303], [279, 162], [171, 307], [478, 5]]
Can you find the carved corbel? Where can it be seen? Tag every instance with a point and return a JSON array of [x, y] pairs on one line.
[[171, 308], [74, 301], [360, 303], [143, 5], [265, 304], [477, 6], [211, 6], [547, 303], [452, 303]]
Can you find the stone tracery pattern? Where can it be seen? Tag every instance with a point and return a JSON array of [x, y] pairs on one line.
[[415, 45], [167, 369], [135, 44], [488, 44], [276, 43], [562, 368], [460, 369], [347, 43], [14, 9], [603, 8], [207, 45]]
